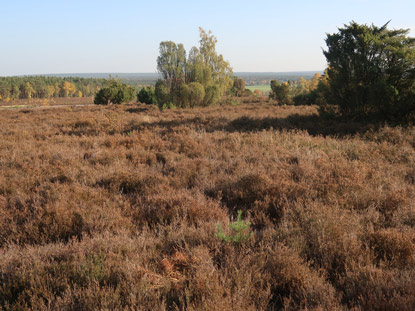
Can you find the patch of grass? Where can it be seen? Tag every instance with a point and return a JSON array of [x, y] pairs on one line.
[[264, 88]]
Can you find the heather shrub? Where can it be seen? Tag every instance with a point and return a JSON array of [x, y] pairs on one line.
[[293, 284], [393, 247], [116, 208], [167, 207], [252, 193], [373, 288]]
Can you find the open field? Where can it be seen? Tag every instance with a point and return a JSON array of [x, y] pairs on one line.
[[116, 208], [264, 88]]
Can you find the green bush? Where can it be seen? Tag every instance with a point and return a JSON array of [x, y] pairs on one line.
[[147, 95], [115, 93], [196, 94], [239, 231], [304, 99], [280, 92], [162, 93]]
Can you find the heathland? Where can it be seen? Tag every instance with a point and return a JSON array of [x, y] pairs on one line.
[[133, 208], [210, 196]]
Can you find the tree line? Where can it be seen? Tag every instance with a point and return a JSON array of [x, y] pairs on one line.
[[370, 74], [29, 87]]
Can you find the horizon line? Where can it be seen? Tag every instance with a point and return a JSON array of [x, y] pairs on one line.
[[148, 73]]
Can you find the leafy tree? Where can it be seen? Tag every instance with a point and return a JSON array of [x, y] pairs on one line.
[[15, 92], [115, 93], [183, 96], [68, 89], [27, 90], [371, 72], [196, 94], [184, 78], [46, 87], [313, 84], [280, 92], [220, 69], [238, 88], [162, 93], [147, 95], [213, 94], [310, 92], [172, 64]]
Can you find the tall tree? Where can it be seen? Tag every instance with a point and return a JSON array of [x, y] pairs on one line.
[[203, 66], [371, 71], [27, 90], [172, 63]]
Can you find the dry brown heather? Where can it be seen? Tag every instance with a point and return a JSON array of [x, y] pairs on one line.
[[116, 208], [45, 102]]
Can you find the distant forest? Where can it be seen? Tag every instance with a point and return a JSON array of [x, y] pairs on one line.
[[87, 84], [12, 88], [250, 78], [261, 78]]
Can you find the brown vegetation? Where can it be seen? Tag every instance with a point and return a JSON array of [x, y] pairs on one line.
[[47, 102], [116, 208]]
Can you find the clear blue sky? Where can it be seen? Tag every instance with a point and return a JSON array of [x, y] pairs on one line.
[[61, 36]]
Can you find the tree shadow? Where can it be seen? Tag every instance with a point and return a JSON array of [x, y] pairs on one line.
[[314, 125], [198, 123], [138, 109]]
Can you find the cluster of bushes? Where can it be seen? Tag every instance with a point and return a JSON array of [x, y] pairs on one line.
[[114, 93], [192, 94], [147, 95], [200, 79], [299, 92]]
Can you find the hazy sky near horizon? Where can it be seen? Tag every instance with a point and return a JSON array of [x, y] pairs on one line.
[[60, 36]]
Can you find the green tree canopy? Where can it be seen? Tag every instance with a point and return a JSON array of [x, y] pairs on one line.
[[147, 95], [172, 63], [371, 72], [12, 88], [280, 92], [115, 93], [186, 79]]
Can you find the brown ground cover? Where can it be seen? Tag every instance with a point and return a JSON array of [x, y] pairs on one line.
[[116, 208], [47, 102]]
